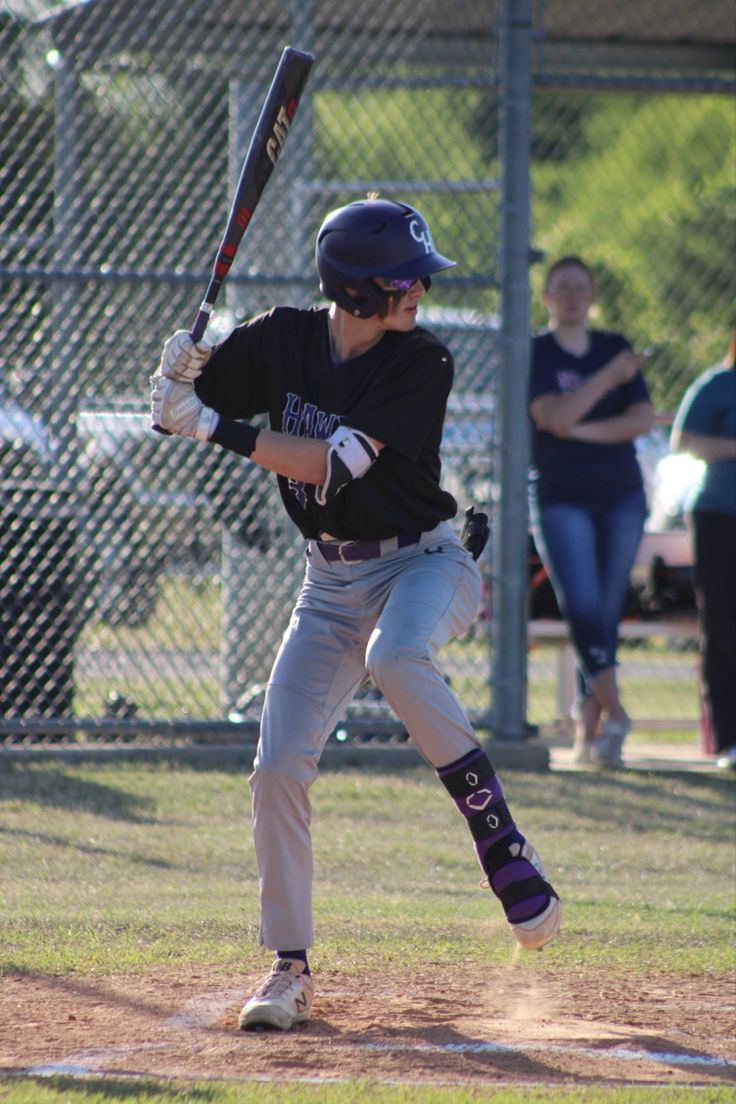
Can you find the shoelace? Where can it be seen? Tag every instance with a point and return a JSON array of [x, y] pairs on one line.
[[276, 985]]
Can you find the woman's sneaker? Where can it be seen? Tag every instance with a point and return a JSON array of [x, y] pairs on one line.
[[283, 999], [582, 752], [727, 761], [607, 748]]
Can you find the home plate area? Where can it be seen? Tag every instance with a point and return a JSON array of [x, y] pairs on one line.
[[505, 1026]]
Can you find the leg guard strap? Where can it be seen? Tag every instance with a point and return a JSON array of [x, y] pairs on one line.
[[516, 892], [463, 781], [514, 879], [478, 794], [486, 824]]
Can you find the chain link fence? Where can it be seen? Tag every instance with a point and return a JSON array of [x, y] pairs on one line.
[[145, 582]]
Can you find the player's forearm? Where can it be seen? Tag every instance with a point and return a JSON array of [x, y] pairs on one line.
[[633, 423], [705, 447], [558, 414], [302, 458]]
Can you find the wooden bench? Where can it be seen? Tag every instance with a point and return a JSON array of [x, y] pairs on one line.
[[556, 632]]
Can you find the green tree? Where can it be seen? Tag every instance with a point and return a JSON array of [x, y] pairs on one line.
[[651, 204]]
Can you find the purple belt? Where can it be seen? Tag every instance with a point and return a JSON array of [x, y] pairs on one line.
[[352, 552]]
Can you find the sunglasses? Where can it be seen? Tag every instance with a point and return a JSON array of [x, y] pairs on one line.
[[399, 285]]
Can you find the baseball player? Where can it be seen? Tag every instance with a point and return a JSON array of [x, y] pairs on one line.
[[356, 396]]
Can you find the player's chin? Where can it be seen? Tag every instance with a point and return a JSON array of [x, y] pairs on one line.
[[406, 319]]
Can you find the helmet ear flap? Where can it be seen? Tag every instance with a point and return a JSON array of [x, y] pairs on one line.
[[368, 299]]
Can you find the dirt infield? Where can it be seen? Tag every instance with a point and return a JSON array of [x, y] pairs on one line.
[[503, 1026]]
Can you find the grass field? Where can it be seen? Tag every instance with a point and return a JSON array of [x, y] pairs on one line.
[[64, 1090], [129, 869], [68, 1091]]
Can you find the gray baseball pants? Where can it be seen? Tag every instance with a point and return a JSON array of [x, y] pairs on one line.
[[386, 618]]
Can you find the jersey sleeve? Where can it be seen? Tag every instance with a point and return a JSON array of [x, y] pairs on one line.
[[233, 381], [408, 406]]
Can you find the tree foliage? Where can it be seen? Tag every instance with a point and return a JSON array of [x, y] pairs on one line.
[[649, 199], [642, 186]]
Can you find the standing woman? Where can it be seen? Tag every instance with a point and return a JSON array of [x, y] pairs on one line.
[[705, 426], [588, 402]]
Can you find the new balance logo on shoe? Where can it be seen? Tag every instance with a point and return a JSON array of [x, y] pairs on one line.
[[283, 999]]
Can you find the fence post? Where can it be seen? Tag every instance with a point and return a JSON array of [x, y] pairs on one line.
[[510, 552]]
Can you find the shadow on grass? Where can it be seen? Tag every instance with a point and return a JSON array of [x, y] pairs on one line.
[[696, 804], [128, 1090], [47, 839], [54, 788]]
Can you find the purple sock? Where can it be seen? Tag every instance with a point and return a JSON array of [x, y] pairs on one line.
[[301, 956]]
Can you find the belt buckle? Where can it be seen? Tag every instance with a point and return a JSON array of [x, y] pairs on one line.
[[341, 555]]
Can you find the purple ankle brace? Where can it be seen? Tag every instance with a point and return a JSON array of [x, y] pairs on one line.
[[478, 794]]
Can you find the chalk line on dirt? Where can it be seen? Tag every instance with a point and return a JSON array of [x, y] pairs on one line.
[[586, 1052]]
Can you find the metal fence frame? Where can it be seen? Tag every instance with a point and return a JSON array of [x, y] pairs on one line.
[[528, 56]]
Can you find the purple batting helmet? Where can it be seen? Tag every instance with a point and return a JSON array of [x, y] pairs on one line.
[[373, 237]]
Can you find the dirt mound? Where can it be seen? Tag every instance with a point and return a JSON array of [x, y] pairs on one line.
[[501, 1026]]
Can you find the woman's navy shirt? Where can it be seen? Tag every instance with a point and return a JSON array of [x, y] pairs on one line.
[[566, 470]]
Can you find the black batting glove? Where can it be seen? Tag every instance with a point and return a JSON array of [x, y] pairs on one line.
[[475, 532]]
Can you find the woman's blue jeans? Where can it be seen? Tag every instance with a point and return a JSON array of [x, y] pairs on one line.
[[588, 552]]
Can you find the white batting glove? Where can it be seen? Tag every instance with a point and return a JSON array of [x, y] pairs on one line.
[[177, 407], [181, 359]]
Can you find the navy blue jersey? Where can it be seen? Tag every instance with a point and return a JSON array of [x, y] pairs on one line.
[[580, 471], [280, 364]]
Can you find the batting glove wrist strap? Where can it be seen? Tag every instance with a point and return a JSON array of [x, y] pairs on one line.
[[176, 407], [236, 436]]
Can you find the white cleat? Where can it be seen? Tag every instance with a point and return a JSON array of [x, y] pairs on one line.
[[283, 999], [534, 934]]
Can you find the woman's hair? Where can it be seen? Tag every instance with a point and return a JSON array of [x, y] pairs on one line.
[[570, 261]]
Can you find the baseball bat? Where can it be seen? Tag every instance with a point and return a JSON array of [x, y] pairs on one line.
[[272, 128], [269, 136]]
